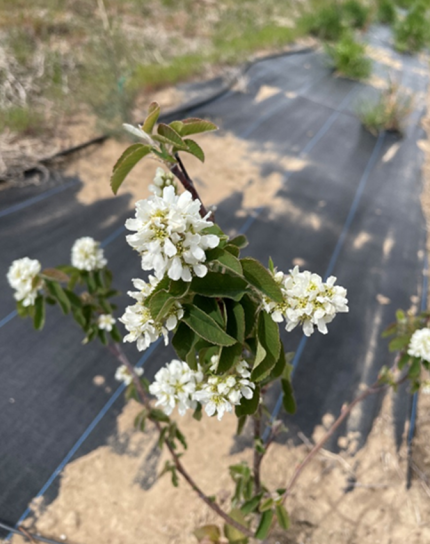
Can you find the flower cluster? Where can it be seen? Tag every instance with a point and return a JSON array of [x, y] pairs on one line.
[[308, 301], [123, 375], [106, 322], [169, 235], [419, 345], [162, 179], [87, 254], [139, 322], [23, 277], [177, 385]]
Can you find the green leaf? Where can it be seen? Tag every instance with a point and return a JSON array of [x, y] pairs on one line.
[[207, 534], [248, 407], [102, 337], [158, 415], [183, 340], [251, 505], [107, 277], [415, 369], [128, 160], [225, 259], [197, 414], [181, 438], [39, 313], [160, 305], [211, 307], [73, 298], [235, 320], [170, 136], [60, 296], [178, 289], [239, 241], [397, 344], [193, 125], [116, 335], [140, 419], [264, 525], [288, 400], [283, 517], [260, 278], [229, 356], [55, 275], [240, 424], [23, 311], [268, 338], [195, 149], [234, 250], [152, 118], [267, 504], [271, 266], [176, 125], [233, 535], [206, 327], [218, 285], [250, 308]]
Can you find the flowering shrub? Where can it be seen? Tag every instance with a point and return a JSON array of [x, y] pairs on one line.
[[221, 310]]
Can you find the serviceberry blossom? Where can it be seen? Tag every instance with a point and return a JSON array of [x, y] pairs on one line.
[[87, 254], [106, 322], [162, 179], [175, 385], [122, 374], [22, 276], [142, 328], [308, 301], [219, 394], [419, 345], [170, 235]]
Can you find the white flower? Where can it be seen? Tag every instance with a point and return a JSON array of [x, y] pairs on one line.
[[123, 375], [308, 301], [169, 235], [142, 328], [87, 254], [162, 179], [220, 393], [106, 322], [419, 345], [22, 276], [174, 385]]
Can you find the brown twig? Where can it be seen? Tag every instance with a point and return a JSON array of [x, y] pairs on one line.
[[375, 388], [180, 172], [120, 355]]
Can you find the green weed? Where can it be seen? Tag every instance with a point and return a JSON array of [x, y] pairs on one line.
[[349, 59], [412, 33], [389, 112]]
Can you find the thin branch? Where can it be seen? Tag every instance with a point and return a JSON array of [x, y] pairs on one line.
[[180, 172], [120, 355], [375, 388]]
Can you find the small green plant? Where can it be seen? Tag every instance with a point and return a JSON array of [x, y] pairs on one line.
[[325, 23], [386, 12], [355, 14], [389, 112], [349, 58], [412, 33]]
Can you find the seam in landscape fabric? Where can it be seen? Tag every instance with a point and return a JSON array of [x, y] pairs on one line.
[[334, 257]]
